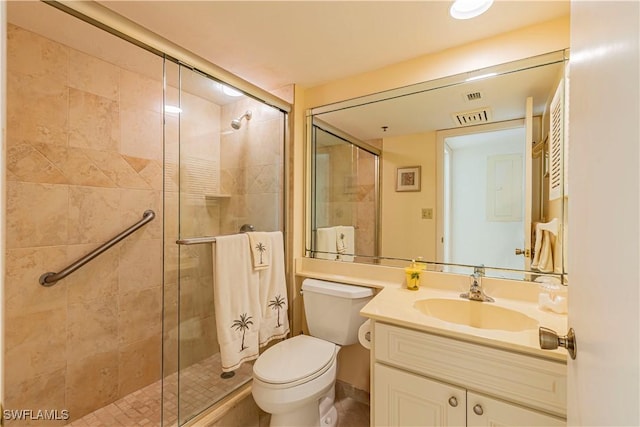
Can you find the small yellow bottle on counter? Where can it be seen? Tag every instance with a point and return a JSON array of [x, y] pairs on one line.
[[412, 274]]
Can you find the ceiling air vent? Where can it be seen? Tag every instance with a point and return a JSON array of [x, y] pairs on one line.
[[473, 96], [475, 117]]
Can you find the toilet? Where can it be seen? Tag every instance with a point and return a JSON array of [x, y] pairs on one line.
[[295, 379]]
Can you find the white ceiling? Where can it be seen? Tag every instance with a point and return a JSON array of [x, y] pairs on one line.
[[275, 43]]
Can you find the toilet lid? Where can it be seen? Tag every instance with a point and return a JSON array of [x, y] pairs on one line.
[[294, 359]]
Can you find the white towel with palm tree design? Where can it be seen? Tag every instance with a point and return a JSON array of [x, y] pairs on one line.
[[236, 300], [260, 244], [274, 323]]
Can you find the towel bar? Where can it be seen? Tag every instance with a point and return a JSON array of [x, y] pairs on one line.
[[211, 239], [196, 240]]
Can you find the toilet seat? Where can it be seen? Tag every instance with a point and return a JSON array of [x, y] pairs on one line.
[[294, 361]]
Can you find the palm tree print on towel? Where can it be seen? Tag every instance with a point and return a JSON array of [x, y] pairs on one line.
[[242, 324], [260, 247], [276, 304]]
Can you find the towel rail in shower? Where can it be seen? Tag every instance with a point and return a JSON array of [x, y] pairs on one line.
[[196, 240], [246, 228], [50, 278]]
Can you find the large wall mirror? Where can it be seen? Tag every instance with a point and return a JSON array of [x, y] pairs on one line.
[[459, 172]]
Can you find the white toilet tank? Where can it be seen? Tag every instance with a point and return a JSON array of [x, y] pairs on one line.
[[332, 310]]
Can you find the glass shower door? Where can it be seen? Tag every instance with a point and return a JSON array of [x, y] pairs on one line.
[[224, 161]]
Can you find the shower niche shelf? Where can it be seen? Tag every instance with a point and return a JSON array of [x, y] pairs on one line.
[[216, 199], [217, 196]]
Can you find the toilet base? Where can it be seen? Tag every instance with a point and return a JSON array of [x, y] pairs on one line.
[[304, 416], [308, 415], [329, 419], [318, 413], [328, 411]]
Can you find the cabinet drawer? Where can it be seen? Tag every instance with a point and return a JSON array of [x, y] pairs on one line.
[[526, 380]]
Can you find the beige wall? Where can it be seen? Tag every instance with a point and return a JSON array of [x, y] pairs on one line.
[[84, 156], [518, 44], [402, 211]]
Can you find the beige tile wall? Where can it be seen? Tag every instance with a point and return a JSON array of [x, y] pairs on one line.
[[365, 209], [352, 194], [84, 151], [85, 160], [252, 162]]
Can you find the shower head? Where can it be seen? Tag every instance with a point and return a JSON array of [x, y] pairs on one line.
[[237, 123]]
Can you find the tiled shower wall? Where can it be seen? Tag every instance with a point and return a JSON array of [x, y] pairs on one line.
[[227, 178], [351, 194], [193, 139], [84, 161], [252, 165]]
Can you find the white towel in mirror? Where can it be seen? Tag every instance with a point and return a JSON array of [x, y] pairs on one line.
[[543, 248], [345, 235], [326, 243]]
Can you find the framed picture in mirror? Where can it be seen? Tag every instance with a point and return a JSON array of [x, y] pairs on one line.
[[408, 178]]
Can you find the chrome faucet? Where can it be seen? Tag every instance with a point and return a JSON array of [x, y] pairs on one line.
[[475, 289]]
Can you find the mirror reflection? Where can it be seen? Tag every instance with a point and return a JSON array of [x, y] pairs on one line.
[[470, 173], [345, 203]]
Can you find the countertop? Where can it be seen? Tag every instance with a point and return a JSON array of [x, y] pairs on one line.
[[395, 305]]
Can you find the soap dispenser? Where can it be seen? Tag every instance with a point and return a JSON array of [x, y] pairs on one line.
[[412, 275]]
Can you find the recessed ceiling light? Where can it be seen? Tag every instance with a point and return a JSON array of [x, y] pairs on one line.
[[467, 9], [231, 91]]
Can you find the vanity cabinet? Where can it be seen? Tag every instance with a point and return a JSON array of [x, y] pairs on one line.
[[405, 399], [420, 379]]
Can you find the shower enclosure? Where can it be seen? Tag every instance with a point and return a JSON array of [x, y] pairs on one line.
[[100, 130], [224, 172]]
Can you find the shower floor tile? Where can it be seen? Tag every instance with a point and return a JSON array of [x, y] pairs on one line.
[[200, 387]]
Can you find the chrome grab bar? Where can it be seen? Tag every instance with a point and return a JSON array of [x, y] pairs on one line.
[[50, 278]]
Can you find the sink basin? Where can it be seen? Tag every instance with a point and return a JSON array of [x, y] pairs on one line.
[[476, 314]]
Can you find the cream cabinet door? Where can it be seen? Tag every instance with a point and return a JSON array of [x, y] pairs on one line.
[[485, 411], [405, 399]]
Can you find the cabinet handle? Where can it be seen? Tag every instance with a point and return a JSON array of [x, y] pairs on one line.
[[453, 401], [478, 410]]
